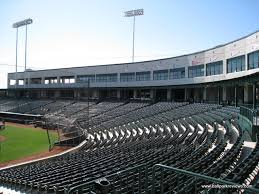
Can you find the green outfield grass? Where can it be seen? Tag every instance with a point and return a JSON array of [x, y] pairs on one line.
[[22, 142]]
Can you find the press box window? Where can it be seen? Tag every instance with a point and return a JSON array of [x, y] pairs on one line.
[[85, 78], [160, 75], [196, 71], [127, 77], [236, 64], [253, 60], [214, 68], [177, 73], [106, 78], [143, 76]]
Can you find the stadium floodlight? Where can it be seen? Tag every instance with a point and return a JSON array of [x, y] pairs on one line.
[[22, 23], [134, 13], [17, 25]]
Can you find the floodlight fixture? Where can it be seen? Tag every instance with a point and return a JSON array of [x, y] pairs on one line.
[[135, 12], [22, 23]]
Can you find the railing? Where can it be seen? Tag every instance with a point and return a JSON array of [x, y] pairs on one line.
[[250, 114], [193, 182], [50, 137], [131, 180], [164, 179]]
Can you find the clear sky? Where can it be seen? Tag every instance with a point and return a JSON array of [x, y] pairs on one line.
[[68, 33]]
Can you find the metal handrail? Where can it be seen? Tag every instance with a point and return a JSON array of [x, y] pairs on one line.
[[199, 176], [80, 187], [250, 114]]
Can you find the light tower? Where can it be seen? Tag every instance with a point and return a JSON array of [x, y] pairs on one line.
[[17, 25], [133, 13]]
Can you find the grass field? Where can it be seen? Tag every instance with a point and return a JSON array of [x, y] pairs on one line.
[[21, 142]]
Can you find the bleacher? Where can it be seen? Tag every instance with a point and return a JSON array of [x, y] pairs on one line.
[[201, 138]]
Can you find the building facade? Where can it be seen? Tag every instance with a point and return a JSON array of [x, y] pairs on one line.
[[225, 73]]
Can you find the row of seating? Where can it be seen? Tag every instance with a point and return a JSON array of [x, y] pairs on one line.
[[202, 138]]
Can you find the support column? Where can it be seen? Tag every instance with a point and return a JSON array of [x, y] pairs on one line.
[[204, 96], [218, 94], [236, 95], [58, 79], [224, 94], [169, 94], [118, 94], [186, 94], [95, 94], [75, 94], [57, 93], [246, 99], [134, 94], [43, 93], [254, 95], [152, 93], [43, 80], [28, 80], [195, 94], [78, 94]]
